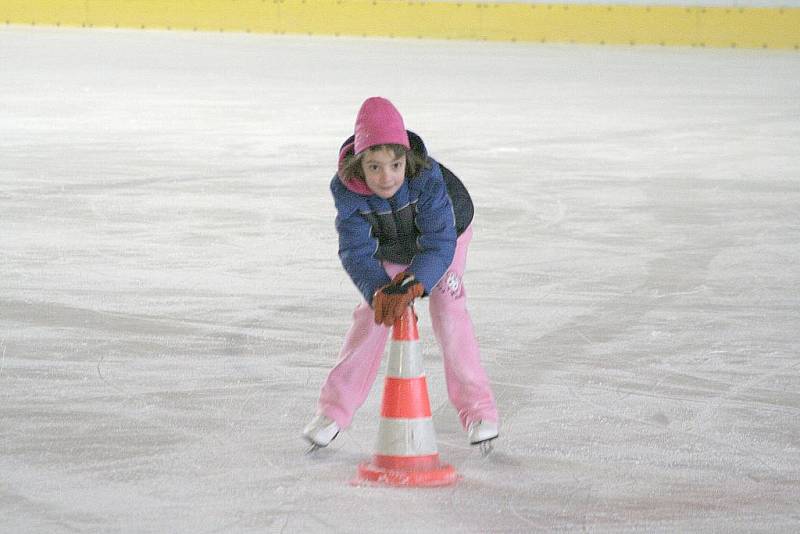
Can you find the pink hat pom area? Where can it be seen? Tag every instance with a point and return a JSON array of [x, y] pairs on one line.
[[379, 123]]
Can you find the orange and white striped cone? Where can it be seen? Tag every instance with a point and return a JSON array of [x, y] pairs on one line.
[[406, 453]]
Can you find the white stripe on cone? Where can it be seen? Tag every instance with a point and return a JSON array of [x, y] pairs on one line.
[[405, 360], [406, 437]]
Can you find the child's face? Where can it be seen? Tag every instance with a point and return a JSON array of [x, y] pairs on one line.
[[384, 172]]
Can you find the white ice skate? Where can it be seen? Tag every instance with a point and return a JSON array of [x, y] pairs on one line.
[[482, 433], [320, 432]]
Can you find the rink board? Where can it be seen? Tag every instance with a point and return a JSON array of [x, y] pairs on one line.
[[544, 23]]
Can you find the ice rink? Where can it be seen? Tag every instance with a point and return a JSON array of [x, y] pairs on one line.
[[171, 298]]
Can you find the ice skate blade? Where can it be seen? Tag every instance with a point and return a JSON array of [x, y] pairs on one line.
[[485, 447], [314, 447]]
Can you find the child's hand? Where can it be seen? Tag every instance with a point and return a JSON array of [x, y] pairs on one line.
[[391, 300]]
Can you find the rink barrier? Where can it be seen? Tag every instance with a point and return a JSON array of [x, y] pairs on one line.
[[742, 27]]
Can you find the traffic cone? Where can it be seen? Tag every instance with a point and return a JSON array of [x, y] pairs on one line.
[[406, 453]]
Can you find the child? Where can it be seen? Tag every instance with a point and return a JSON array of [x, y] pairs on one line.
[[404, 227]]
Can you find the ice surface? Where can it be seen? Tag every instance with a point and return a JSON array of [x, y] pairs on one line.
[[171, 299]]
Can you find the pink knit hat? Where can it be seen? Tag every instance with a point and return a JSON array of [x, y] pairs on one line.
[[379, 123]]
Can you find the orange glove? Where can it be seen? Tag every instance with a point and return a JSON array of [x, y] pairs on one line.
[[391, 300]]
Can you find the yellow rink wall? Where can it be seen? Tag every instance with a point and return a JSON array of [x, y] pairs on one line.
[[546, 23]]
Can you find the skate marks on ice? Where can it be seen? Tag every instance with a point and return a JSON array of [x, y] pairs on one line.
[[3, 348]]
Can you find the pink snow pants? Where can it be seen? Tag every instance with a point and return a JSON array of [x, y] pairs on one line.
[[349, 382]]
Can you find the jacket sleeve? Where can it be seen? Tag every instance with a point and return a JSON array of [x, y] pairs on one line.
[[356, 245], [436, 224]]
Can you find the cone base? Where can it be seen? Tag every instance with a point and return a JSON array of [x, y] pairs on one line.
[[442, 475]]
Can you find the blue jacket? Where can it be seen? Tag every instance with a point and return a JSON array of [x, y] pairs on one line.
[[426, 242]]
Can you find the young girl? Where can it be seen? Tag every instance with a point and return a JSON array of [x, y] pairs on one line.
[[404, 227]]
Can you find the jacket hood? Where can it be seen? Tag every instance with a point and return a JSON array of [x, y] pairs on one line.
[[359, 186]]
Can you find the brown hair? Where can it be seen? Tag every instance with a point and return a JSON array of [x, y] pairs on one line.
[[415, 162]]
